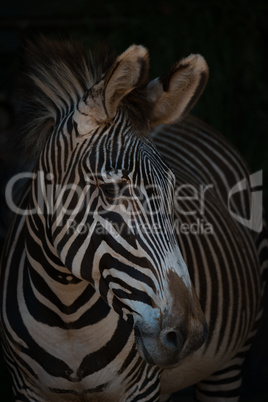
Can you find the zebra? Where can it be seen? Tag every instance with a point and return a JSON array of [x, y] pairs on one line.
[[201, 156], [103, 297]]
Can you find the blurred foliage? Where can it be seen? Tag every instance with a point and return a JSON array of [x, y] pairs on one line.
[[231, 35]]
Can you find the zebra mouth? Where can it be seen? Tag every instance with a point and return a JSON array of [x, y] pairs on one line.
[[141, 348]]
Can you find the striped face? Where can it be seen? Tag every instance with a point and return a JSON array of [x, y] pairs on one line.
[[112, 225], [111, 217]]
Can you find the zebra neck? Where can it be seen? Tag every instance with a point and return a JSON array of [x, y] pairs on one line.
[[74, 299]]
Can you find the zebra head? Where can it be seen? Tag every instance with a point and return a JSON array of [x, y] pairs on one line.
[[112, 220]]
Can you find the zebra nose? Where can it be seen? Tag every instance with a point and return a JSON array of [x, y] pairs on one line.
[[172, 339]]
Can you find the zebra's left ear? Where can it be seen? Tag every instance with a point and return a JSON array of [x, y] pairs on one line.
[[129, 71], [174, 94]]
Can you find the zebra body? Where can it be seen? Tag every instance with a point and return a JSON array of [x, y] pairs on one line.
[[227, 262], [97, 301]]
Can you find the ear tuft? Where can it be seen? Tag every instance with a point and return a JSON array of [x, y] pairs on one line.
[[134, 51]]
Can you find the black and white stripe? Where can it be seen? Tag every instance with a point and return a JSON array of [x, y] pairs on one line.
[[227, 267], [80, 272]]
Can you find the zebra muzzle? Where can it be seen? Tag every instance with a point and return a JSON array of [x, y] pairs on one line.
[[171, 345], [176, 331]]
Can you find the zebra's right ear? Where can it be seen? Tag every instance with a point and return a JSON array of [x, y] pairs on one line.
[[174, 94], [100, 103]]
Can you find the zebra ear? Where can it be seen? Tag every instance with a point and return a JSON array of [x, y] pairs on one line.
[[174, 94], [100, 103], [129, 71]]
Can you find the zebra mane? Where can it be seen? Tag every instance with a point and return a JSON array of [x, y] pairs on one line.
[[55, 76], [60, 74]]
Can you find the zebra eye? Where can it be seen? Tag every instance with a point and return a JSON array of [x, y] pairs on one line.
[[113, 190]]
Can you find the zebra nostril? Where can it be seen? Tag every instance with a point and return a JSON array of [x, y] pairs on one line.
[[172, 339]]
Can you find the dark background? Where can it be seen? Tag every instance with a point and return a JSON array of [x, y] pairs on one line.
[[231, 35]]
